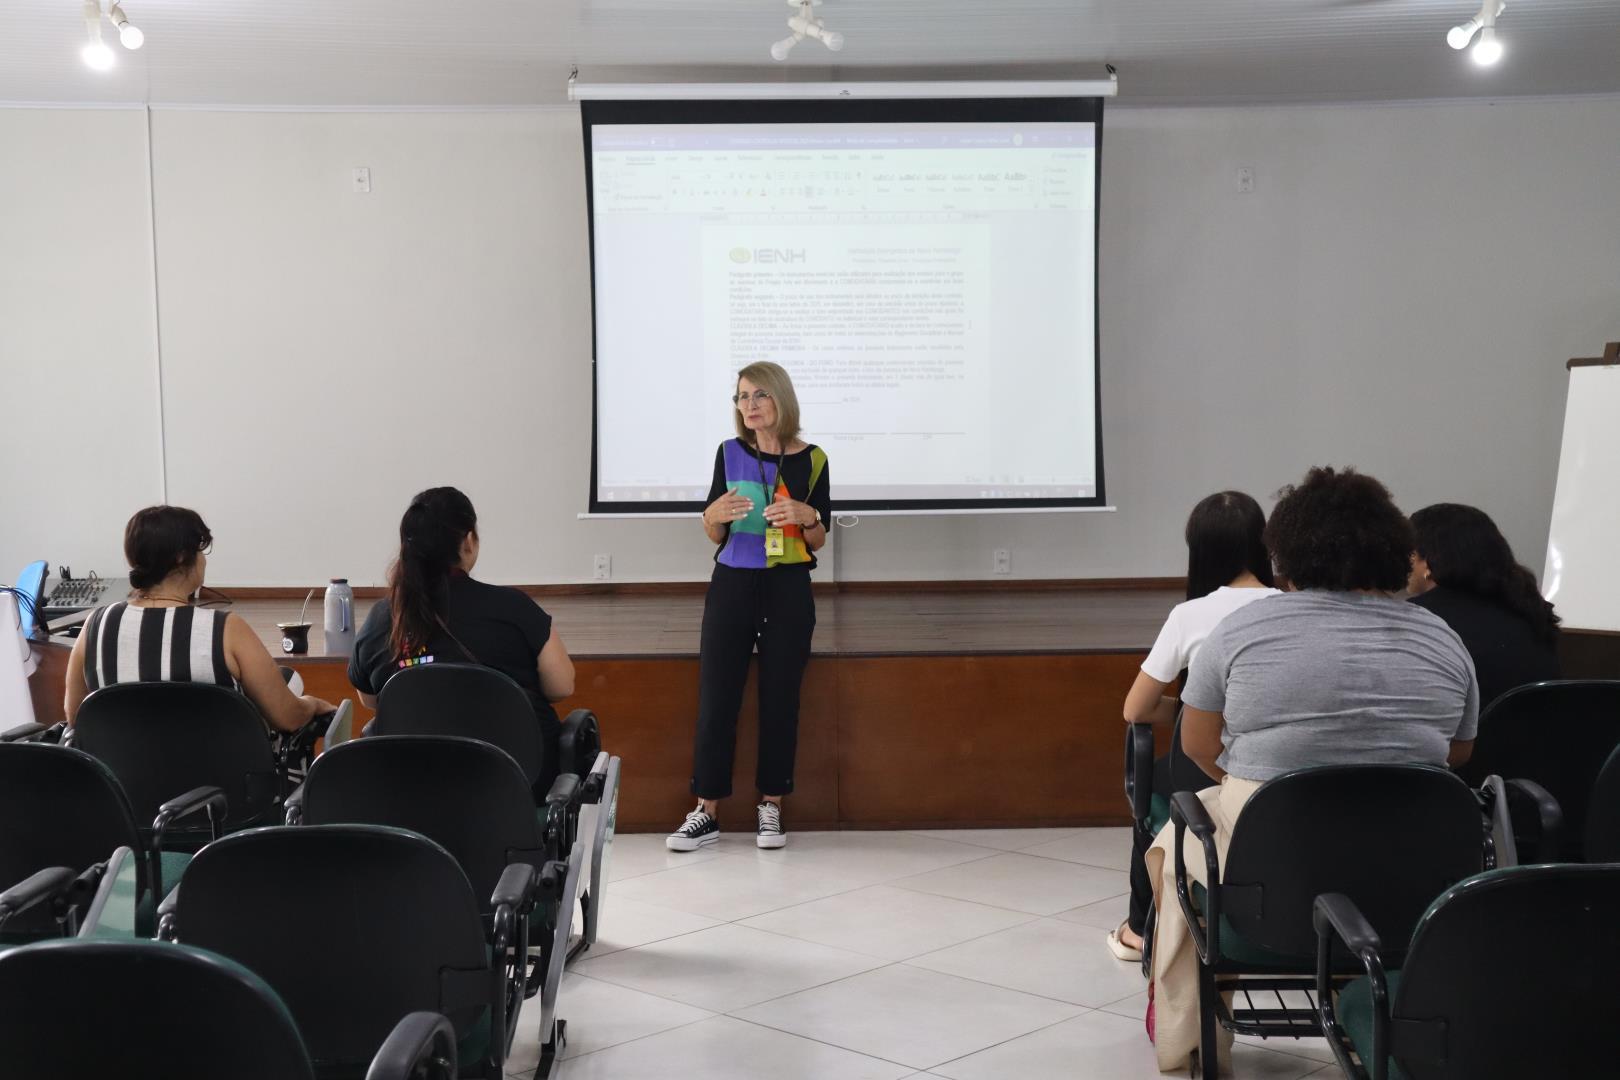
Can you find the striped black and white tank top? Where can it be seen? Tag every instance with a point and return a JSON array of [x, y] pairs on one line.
[[134, 644]]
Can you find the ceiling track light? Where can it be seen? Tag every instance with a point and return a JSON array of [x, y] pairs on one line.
[[1488, 50], [96, 53], [805, 24]]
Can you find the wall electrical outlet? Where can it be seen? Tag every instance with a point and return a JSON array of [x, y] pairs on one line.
[[362, 180], [1001, 561], [1245, 180], [602, 569]]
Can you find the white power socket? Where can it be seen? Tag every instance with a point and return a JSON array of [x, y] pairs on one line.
[[362, 179], [602, 569], [1001, 561]]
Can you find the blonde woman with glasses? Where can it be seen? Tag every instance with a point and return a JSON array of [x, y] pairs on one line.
[[768, 514]]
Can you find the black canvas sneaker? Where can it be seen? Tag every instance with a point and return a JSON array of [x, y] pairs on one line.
[[698, 830], [770, 833]]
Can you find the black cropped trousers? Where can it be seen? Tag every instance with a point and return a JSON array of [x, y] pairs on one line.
[[771, 610]]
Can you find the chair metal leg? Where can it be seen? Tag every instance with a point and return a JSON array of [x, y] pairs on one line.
[[550, 1050], [1208, 1046]]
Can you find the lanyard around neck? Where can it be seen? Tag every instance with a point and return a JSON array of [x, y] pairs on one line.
[[759, 459]]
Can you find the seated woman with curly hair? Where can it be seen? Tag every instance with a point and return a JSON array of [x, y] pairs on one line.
[[1339, 671]]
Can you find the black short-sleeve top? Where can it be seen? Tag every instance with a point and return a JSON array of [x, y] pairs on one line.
[[501, 627], [801, 476]]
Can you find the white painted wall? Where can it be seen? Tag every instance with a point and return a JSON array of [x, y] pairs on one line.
[[79, 442], [1400, 292]]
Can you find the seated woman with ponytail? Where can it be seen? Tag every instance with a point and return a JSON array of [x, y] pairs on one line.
[[435, 611]]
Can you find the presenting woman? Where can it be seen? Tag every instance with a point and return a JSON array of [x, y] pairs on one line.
[[768, 513]]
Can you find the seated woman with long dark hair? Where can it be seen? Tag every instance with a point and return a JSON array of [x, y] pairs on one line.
[[1227, 568], [160, 635], [436, 612], [1464, 571]]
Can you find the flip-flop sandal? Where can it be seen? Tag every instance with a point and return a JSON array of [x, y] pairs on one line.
[[1121, 950]]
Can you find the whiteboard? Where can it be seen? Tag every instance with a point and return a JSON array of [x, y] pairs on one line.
[[1582, 578]]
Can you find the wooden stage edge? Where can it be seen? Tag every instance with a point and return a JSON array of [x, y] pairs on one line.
[[696, 588]]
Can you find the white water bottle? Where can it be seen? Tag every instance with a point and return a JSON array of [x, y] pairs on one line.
[[339, 618]]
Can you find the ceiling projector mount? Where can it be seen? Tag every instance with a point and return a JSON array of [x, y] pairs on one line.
[[805, 24]]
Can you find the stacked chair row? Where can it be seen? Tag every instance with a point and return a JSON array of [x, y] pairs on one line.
[[417, 874], [1387, 908]]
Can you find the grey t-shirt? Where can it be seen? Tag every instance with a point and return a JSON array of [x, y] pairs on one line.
[[1333, 678]]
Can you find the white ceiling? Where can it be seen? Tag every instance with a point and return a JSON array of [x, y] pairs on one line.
[[471, 53]]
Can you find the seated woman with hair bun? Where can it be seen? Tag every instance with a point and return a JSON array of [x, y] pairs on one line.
[[158, 635], [1339, 671]]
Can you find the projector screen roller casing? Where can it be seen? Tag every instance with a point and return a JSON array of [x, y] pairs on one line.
[[924, 270]]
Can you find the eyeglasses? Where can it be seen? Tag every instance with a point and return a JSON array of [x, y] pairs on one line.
[[760, 397]]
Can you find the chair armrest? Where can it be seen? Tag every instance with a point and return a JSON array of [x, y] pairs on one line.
[[211, 799], [22, 733], [38, 887], [595, 782], [564, 791], [577, 724], [295, 806], [1336, 915], [1502, 849], [167, 909], [1188, 813], [1528, 801], [515, 889], [1139, 770], [102, 881], [423, 1045]]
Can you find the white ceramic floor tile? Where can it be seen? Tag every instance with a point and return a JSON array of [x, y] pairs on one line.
[[1000, 839], [1047, 957], [599, 1015], [1104, 914], [727, 1049], [727, 888], [891, 923], [1107, 848], [726, 967], [865, 858], [1101, 1046], [635, 854], [1312, 1049], [1133, 1007], [627, 923], [1022, 883], [905, 1014]]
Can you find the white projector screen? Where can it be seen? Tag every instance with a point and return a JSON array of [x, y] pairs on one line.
[[924, 270]]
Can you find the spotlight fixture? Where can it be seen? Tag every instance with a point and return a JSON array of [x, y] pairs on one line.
[[1488, 50], [805, 24], [96, 53]]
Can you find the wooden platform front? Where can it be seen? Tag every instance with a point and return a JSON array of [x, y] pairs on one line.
[[921, 709]]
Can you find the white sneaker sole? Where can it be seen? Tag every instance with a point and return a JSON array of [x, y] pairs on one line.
[[681, 843], [771, 842]]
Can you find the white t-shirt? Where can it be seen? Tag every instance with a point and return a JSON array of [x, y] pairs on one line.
[[1189, 624]]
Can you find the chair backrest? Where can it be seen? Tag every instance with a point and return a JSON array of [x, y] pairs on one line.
[[1510, 974], [467, 796], [145, 1008], [164, 739], [354, 926], [1603, 814], [1185, 775], [1558, 734], [469, 701], [1390, 837], [58, 807]]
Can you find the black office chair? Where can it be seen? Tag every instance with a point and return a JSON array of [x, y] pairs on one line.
[[164, 739], [84, 1009], [1558, 734], [60, 807], [355, 926], [1393, 837], [472, 799], [481, 703], [1603, 814], [1507, 975], [1145, 776]]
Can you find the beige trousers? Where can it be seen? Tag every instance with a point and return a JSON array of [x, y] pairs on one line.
[[1175, 960]]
